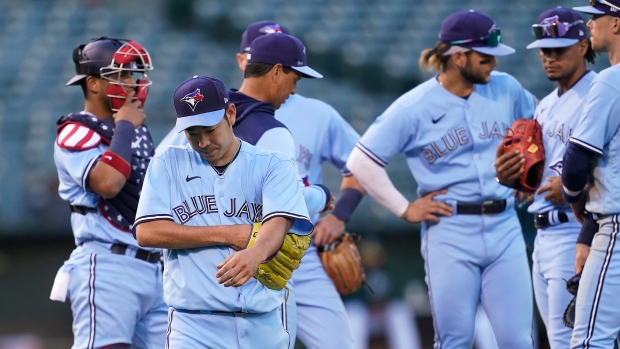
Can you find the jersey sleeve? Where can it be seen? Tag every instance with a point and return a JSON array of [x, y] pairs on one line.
[[598, 122], [524, 101], [283, 197], [78, 164], [341, 140], [173, 138], [388, 135], [155, 198]]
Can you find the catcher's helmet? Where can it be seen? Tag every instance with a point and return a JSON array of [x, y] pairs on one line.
[[107, 58]]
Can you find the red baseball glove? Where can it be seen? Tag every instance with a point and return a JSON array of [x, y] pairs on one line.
[[526, 136]]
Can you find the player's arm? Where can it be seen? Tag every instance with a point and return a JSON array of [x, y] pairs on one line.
[[110, 173], [375, 180], [317, 197], [169, 234]]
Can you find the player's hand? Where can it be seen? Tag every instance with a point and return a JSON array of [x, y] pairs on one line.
[[579, 207], [238, 268], [427, 209], [509, 166], [130, 111], [554, 187], [581, 254], [330, 204], [328, 230]]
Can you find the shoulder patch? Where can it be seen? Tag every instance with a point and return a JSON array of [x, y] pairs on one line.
[[75, 136]]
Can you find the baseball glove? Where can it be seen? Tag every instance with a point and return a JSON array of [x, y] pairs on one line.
[[526, 137], [274, 272], [572, 285], [343, 264]]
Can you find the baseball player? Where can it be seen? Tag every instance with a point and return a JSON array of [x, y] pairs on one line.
[[101, 155], [196, 203], [449, 128], [590, 158], [564, 49]]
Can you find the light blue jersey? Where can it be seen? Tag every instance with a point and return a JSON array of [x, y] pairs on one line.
[[182, 187], [597, 131], [320, 135], [558, 116], [449, 141]]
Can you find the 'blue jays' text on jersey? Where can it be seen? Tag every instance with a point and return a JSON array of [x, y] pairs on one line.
[[450, 142], [77, 149], [182, 187], [320, 135], [597, 131], [558, 115]]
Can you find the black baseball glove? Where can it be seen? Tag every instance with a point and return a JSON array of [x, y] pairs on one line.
[[572, 285]]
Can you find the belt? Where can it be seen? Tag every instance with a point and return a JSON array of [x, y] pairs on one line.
[[547, 219], [212, 312], [143, 255], [485, 208], [595, 216], [83, 210]]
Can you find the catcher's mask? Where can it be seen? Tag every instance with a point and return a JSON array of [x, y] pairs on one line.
[[110, 59]]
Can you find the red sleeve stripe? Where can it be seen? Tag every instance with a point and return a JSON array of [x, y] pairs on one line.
[[117, 162], [78, 137]]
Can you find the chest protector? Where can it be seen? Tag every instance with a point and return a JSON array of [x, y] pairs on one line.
[[120, 211]]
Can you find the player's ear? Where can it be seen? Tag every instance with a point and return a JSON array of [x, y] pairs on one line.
[[276, 71], [231, 113], [93, 84], [242, 60]]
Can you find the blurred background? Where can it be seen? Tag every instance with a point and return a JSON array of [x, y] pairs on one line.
[[367, 50]]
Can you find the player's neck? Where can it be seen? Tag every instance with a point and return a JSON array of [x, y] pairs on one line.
[[569, 81], [454, 82], [254, 87], [231, 152], [97, 109], [613, 53]]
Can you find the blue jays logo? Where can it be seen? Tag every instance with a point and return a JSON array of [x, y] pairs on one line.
[[557, 167], [270, 29], [192, 99]]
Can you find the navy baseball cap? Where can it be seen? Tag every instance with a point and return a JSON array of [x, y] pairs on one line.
[[257, 29], [473, 30], [558, 27], [601, 7], [200, 101], [283, 49]]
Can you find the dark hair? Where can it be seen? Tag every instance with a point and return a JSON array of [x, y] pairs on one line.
[[590, 54], [256, 70], [433, 58]]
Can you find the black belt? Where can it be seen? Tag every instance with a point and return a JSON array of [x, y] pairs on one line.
[[83, 210], [212, 312], [546, 220], [144, 255], [485, 208]]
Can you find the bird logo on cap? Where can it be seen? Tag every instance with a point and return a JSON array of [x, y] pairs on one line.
[[192, 99], [270, 29]]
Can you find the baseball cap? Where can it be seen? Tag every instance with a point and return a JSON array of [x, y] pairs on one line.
[[283, 49], [601, 7], [473, 30], [200, 101], [257, 29], [558, 27]]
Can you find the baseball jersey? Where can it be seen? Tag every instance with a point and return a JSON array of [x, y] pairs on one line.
[[320, 135], [597, 131], [450, 142], [77, 150], [182, 187], [558, 115]]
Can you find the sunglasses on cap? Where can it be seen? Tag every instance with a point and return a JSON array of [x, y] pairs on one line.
[[492, 40], [593, 2], [552, 28]]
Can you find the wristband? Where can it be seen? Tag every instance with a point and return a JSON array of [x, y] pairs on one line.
[[346, 204]]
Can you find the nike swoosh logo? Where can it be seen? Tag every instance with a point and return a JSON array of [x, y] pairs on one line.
[[439, 118], [108, 157], [188, 178]]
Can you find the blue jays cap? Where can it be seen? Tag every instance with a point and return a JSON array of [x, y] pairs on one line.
[[200, 101], [281, 49], [558, 27], [257, 29], [473, 30], [601, 7]]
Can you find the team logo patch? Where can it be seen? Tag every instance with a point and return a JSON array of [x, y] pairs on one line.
[[270, 29], [192, 99]]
